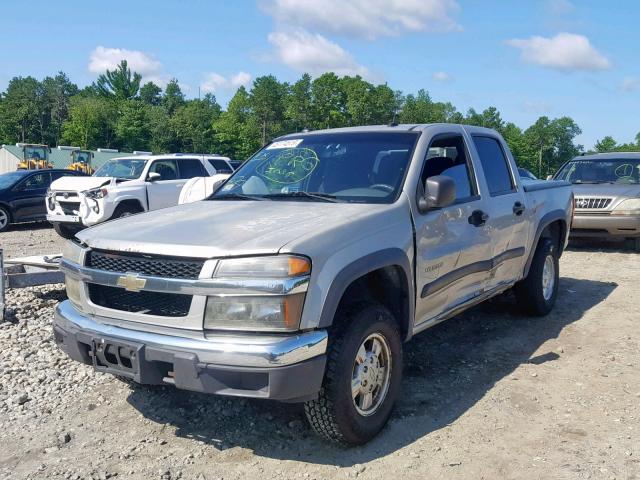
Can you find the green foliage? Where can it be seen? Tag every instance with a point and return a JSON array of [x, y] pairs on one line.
[[151, 94], [121, 83], [91, 122], [117, 112], [173, 96]]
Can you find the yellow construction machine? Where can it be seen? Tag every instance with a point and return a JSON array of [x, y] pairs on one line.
[[34, 157]]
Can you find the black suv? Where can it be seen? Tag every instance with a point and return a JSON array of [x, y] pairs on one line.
[[23, 192]]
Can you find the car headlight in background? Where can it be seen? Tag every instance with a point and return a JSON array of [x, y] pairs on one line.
[[96, 193], [72, 252], [277, 312], [630, 206]]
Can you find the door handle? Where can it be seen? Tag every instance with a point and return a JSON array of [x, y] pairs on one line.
[[478, 218], [518, 208]]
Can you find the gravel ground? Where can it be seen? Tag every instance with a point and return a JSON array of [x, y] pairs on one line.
[[489, 394]]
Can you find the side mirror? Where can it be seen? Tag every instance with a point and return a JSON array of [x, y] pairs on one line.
[[439, 192], [154, 177], [549, 177]]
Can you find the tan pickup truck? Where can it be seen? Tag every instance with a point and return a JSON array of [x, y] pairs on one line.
[[300, 279]]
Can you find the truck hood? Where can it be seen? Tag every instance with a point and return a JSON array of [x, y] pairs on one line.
[[606, 190], [79, 184], [222, 228]]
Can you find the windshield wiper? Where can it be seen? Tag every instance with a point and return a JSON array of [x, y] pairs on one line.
[[324, 197], [234, 196]]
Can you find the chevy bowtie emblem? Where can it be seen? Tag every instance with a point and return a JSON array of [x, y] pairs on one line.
[[132, 282]]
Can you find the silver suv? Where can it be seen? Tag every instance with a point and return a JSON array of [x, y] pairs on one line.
[[607, 195]]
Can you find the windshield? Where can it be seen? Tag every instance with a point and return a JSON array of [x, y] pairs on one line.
[[125, 168], [7, 180], [361, 167], [623, 170]]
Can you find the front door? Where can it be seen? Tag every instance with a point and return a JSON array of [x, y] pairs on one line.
[[165, 191], [29, 200], [451, 249]]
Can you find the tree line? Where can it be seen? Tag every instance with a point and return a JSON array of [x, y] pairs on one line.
[[118, 111]]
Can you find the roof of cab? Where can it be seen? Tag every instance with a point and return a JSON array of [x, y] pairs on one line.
[[403, 127]]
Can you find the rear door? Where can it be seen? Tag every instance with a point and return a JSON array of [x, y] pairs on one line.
[[29, 197], [451, 251], [506, 211], [165, 191]]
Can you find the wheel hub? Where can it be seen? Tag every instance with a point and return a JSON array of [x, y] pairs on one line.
[[371, 374]]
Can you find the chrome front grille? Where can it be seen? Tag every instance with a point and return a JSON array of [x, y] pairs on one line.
[[592, 203], [149, 265]]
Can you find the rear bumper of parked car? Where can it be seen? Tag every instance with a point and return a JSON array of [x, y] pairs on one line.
[[280, 367], [605, 225]]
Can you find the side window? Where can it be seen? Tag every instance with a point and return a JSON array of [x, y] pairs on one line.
[[167, 169], [221, 166], [494, 164], [447, 155], [190, 167], [37, 181]]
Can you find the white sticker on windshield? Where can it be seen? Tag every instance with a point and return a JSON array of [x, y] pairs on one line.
[[285, 144]]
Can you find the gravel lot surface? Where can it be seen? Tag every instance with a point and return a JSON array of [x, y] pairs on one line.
[[490, 394]]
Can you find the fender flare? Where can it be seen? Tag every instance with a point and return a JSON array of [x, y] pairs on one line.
[[390, 257], [545, 221]]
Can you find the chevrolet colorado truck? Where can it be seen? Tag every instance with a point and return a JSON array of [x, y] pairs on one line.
[[127, 185], [607, 195], [302, 276]]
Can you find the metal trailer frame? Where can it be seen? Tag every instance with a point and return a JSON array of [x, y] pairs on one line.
[[27, 272]]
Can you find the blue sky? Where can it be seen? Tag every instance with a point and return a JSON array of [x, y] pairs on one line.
[[528, 58]]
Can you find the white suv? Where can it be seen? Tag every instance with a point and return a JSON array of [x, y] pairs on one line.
[[126, 185]]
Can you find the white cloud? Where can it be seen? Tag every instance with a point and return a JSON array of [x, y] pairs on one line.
[[629, 84], [314, 54], [559, 7], [214, 82], [366, 18], [565, 51], [442, 77], [103, 58]]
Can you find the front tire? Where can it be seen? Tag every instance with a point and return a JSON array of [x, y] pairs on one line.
[[64, 231], [537, 293], [5, 219], [362, 376]]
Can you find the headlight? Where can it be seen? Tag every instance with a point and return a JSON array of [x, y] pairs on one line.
[[96, 193], [252, 311], [72, 252], [630, 206], [278, 266]]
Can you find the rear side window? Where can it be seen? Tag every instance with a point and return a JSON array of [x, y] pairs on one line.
[[494, 164], [190, 168], [220, 166]]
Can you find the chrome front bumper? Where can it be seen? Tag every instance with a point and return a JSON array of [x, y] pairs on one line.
[[232, 350], [281, 367]]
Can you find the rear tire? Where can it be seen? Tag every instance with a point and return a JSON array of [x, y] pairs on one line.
[[537, 293], [64, 231], [360, 387], [5, 219]]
